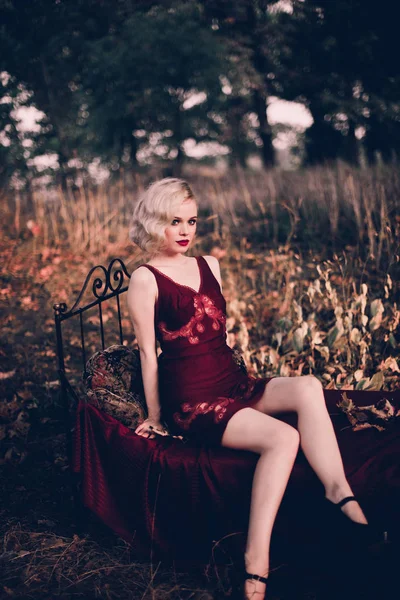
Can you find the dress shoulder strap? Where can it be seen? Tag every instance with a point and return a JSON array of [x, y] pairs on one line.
[[207, 272]]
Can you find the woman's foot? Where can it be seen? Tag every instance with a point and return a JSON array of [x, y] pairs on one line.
[[352, 528], [352, 509], [254, 589]]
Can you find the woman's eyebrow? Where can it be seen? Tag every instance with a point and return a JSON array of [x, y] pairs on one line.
[[179, 218]]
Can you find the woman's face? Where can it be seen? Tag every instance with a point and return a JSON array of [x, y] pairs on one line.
[[182, 228]]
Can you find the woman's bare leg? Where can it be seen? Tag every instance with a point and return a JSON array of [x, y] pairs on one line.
[[277, 443], [305, 396]]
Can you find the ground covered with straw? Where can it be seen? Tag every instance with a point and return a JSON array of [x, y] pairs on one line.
[[311, 277]]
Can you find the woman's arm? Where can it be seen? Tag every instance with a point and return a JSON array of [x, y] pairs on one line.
[[142, 293]]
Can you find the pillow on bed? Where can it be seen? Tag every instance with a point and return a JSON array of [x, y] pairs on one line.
[[114, 384]]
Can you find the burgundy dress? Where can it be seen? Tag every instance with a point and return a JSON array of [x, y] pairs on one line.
[[201, 385]]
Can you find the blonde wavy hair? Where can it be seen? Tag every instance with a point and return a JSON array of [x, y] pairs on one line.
[[155, 210]]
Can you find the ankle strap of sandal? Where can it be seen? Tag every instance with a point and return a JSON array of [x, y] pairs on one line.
[[258, 577], [346, 500]]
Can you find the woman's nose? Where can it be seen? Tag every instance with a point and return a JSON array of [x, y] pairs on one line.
[[184, 228]]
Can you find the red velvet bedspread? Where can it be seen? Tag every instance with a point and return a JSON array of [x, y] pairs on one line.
[[170, 498]]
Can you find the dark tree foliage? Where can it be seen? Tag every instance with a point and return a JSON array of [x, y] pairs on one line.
[[249, 32], [41, 46], [13, 158], [139, 76], [130, 82], [341, 61]]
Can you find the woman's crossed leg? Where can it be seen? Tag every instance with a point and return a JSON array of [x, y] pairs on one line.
[[277, 443], [305, 396]]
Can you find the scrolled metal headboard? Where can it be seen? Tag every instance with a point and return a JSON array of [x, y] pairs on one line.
[[108, 283]]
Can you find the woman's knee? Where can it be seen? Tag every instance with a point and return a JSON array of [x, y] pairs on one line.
[[287, 437], [310, 387], [310, 382]]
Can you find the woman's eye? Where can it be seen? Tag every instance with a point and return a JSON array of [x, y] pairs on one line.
[[191, 222]]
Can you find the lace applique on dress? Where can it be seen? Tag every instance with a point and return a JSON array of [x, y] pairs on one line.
[[202, 408], [203, 306], [218, 406]]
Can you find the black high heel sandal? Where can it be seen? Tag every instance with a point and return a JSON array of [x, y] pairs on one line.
[[247, 575], [258, 577], [363, 534], [342, 503]]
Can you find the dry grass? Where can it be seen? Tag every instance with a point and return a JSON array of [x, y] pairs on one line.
[[39, 563], [310, 259], [334, 206]]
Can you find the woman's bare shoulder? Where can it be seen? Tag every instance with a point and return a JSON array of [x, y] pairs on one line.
[[142, 277]]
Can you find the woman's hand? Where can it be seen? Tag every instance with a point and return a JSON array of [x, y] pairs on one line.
[[150, 428]]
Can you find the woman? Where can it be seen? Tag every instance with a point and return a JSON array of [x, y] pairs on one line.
[[200, 391]]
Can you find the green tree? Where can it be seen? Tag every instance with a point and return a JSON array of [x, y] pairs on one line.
[[250, 30], [41, 45], [339, 61], [14, 144], [142, 72]]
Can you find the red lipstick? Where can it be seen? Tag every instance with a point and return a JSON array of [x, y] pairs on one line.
[[183, 242]]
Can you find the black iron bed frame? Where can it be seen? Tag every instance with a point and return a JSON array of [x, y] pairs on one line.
[[110, 283]]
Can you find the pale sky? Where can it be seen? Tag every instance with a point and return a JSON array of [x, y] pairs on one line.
[[293, 114], [279, 111]]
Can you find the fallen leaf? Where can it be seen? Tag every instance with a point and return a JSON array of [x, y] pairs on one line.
[[8, 590], [7, 374], [358, 374], [25, 394], [376, 382]]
